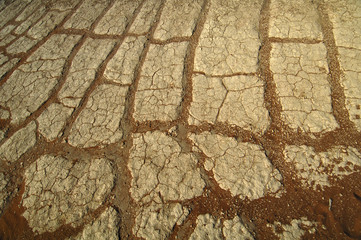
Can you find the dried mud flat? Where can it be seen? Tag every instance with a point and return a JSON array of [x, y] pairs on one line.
[[180, 119]]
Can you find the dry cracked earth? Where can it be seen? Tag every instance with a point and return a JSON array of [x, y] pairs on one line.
[[180, 119]]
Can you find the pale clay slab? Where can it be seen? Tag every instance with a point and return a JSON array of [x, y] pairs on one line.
[[98, 123], [59, 191], [103, 228], [157, 220], [159, 93], [300, 73], [158, 166], [178, 19], [225, 155], [18, 143], [210, 228], [83, 17], [227, 44], [121, 68], [294, 19], [146, 17], [234, 100], [117, 18]]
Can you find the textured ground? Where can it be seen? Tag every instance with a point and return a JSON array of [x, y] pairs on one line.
[[180, 119]]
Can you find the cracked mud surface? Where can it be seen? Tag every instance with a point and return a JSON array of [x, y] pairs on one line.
[[178, 119]]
